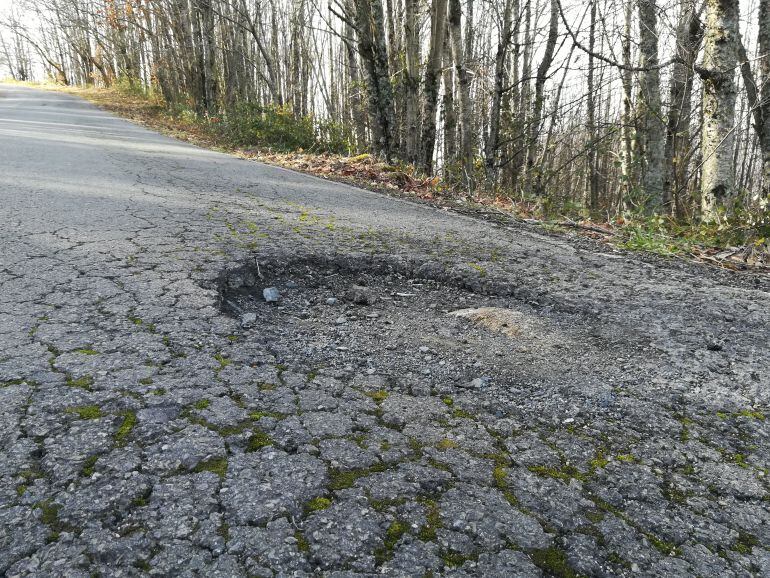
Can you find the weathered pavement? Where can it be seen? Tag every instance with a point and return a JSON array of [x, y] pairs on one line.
[[619, 429]]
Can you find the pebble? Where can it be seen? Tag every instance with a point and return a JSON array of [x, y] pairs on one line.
[[247, 319], [271, 294], [331, 301]]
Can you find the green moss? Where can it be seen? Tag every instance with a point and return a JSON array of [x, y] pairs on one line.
[[446, 444], [129, 421], [202, 404], [596, 516], [615, 558], [454, 559], [432, 520], [340, 480], [481, 270], [317, 504], [85, 382], [88, 467], [257, 415], [20, 489], [599, 461], [378, 396], [222, 360], [553, 562], [565, 473], [86, 351], [302, 544], [136, 320], [146, 381], [394, 533], [461, 413], [666, 548], [745, 543], [264, 386], [10, 382], [86, 411], [684, 434], [49, 514], [215, 465], [259, 440], [628, 458], [500, 476], [448, 401], [159, 391], [753, 414]]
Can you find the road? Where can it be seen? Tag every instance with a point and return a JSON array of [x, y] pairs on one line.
[[618, 429]]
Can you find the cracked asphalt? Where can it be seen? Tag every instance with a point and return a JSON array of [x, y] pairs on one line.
[[610, 420]]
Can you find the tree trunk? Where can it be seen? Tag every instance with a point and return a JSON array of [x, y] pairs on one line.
[[688, 37], [720, 59], [371, 46], [412, 80], [651, 126], [498, 88], [431, 83], [537, 111], [464, 85]]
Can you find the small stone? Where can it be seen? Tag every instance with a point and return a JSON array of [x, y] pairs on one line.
[[248, 319], [271, 294], [235, 281], [424, 349], [361, 295], [331, 301], [477, 383], [341, 320], [291, 285]]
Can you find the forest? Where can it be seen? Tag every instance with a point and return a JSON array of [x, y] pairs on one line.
[[604, 108]]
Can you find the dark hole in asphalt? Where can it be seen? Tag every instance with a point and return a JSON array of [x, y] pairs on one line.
[[412, 323]]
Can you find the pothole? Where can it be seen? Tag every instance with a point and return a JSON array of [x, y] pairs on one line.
[[431, 328]]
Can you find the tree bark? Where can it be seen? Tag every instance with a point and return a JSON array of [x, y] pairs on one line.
[[651, 126], [431, 83], [717, 69]]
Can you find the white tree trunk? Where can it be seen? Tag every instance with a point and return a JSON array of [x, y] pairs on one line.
[[720, 60]]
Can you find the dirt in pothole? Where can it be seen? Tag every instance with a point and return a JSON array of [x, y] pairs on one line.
[[435, 335]]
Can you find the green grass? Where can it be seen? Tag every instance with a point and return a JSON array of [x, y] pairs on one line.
[[257, 415], [86, 351], [553, 562], [378, 396], [259, 440], [215, 465], [84, 382], [317, 504], [222, 360], [89, 466], [341, 480], [129, 421], [86, 411]]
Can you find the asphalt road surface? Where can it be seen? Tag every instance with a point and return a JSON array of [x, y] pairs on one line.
[[604, 416]]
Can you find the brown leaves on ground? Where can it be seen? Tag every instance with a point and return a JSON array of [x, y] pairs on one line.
[[362, 170]]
